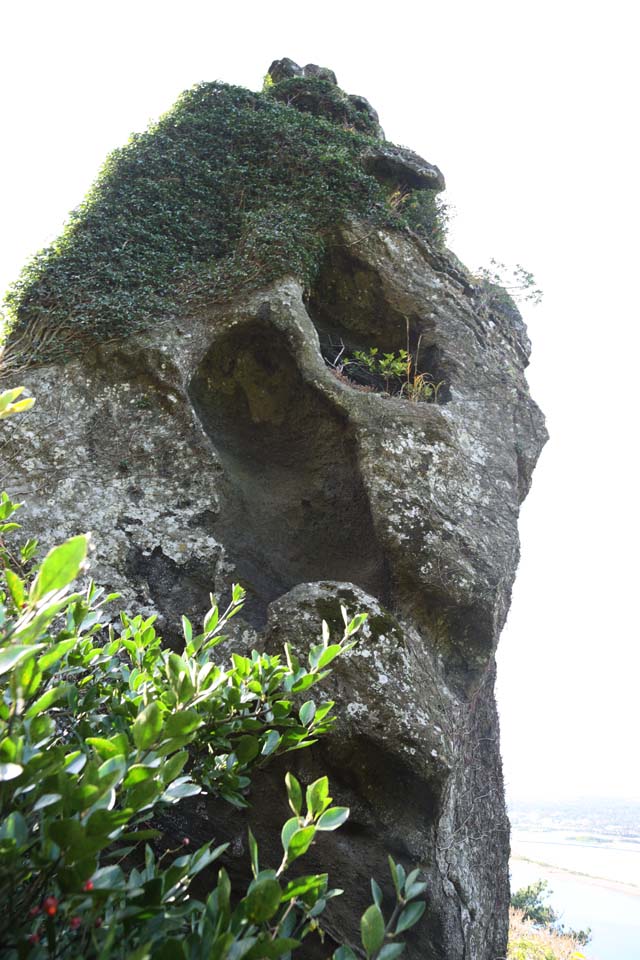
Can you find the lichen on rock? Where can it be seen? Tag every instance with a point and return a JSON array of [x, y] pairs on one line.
[[204, 439]]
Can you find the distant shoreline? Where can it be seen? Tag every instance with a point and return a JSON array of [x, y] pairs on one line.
[[630, 888]]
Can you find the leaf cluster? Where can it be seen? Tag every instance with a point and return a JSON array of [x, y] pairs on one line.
[[510, 285], [379, 935], [428, 214], [392, 373], [531, 901]]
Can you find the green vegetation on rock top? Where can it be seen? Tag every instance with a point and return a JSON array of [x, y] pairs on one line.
[[323, 98], [229, 188]]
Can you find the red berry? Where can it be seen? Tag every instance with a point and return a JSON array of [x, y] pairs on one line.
[[50, 906], [185, 841], [98, 922], [34, 911], [75, 922], [33, 938], [88, 885]]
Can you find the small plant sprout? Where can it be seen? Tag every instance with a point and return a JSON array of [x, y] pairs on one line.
[[516, 282], [395, 374], [379, 935]]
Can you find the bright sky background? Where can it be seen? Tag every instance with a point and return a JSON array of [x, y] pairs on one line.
[[531, 110]]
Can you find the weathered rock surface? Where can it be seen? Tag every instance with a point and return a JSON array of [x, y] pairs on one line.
[[330, 102], [286, 69], [221, 447], [401, 166]]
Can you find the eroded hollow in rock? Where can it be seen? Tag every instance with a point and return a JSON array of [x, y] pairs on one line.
[[294, 507], [348, 302], [351, 312]]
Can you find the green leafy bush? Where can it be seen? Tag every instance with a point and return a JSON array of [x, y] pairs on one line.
[[395, 374], [531, 902], [428, 214], [101, 728], [510, 285]]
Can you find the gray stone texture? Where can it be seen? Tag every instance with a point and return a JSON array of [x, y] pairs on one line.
[[222, 448]]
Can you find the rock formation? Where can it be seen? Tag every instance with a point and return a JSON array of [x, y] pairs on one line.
[[193, 415]]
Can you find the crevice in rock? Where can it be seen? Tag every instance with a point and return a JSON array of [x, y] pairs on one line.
[[174, 588], [293, 505], [351, 311], [348, 302]]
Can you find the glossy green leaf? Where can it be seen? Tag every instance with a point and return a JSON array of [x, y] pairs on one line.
[[147, 726], [318, 796], [390, 951], [288, 831], [55, 653], [333, 818], [59, 568], [415, 890], [68, 834], [182, 724], [48, 699], [9, 771], [14, 827], [10, 657], [307, 713], [15, 586], [329, 655], [410, 915], [294, 793], [300, 842], [301, 887], [253, 851], [46, 800], [262, 900], [376, 893], [246, 748], [271, 743], [344, 953], [372, 929]]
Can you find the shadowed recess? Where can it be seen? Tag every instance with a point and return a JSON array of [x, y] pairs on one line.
[[352, 311], [294, 507]]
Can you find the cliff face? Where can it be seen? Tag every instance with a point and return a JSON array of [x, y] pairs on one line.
[[211, 435]]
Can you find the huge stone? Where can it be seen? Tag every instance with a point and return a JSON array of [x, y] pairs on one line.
[[221, 447], [397, 165], [284, 69]]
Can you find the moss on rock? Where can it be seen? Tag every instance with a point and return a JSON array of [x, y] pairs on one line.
[[230, 189]]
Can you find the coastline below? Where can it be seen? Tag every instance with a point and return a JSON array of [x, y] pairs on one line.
[[550, 868]]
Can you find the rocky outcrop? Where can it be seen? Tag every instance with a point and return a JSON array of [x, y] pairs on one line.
[[403, 167], [324, 99], [220, 446]]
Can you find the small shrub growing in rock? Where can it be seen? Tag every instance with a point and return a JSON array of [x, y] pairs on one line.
[[428, 214], [395, 374], [101, 728], [509, 284]]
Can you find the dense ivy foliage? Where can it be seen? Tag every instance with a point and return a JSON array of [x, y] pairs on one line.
[[229, 187], [428, 214]]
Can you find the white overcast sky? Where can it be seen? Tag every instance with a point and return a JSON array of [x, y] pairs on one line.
[[531, 110]]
